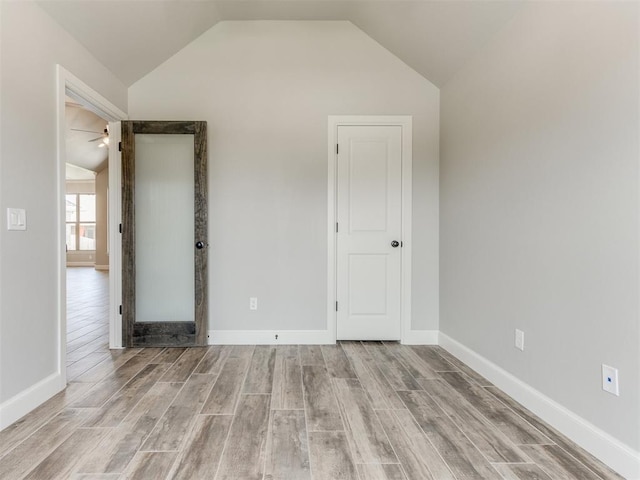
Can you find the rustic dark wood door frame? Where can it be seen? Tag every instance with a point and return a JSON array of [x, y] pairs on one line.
[[142, 334]]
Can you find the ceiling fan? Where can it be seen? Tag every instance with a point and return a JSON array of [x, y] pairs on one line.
[[104, 137]]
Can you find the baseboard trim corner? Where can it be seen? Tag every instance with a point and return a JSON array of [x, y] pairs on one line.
[[270, 337], [24, 402], [619, 456], [102, 267]]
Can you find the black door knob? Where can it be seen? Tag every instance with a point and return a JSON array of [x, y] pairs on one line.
[[395, 243], [199, 245]]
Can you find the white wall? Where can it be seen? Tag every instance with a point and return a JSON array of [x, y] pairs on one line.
[[31, 45], [102, 222], [539, 206], [266, 90]]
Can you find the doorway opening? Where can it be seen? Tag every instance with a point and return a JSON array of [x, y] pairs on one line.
[[86, 238], [88, 212]]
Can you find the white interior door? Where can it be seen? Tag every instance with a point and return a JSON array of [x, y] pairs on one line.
[[369, 213]]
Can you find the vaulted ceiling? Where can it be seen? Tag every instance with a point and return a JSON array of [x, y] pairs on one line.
[[132, 37]]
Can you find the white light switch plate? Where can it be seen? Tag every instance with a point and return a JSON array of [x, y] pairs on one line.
[[16, 219]]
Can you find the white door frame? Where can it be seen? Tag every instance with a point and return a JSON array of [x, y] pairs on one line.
[[406, 123], [69, 84]]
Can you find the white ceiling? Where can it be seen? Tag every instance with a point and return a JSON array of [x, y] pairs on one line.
[[82, 126], [132, 37]]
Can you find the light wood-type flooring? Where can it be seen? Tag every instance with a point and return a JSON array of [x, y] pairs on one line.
[[356, 410], [87, 319]]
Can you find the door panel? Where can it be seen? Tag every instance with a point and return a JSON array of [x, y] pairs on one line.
[[369, 211], [368, 278], [164, 233]]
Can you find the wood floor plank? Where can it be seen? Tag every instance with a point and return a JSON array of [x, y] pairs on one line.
[[311, 355], [21, 429], [214, 359], [224, 395], [502, 417], [119, 406], [321, 407], [415, 365], [118, 448], [376, 398], [147, 465], [244, 454], [184, 365], [287, 451], [104, 390], [381, 394], [522, 471], [417, 455], [98, 344], [488, 439], [85, 364], [555, 436], [365, 434], [287, 381], [28, 454], [168, 355], [201, 454], [242, 351], [431, 357], [61, 463], [373, 471], [172, 428], [78, 342], [260, 375], [337, 362], [462, 457], [396, 374], [463, 367], [330, 457], [116, 359], [558, 464], [95, 476]]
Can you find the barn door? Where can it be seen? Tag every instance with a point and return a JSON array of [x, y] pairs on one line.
[[164, 233]]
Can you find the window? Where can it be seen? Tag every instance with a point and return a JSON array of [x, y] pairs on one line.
[[81, 221]]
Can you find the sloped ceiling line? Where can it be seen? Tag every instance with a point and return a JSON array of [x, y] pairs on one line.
[[131, 37]]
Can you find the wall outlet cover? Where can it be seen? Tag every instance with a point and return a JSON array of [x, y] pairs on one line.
[[16, 219], [610, 380], [519, 342]]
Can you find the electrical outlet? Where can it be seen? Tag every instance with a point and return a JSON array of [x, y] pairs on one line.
[[610, 380], [253, 303], [519, 340]]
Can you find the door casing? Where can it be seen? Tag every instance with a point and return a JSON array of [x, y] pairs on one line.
[[406, 124]]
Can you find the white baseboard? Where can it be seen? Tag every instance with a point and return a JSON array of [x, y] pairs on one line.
[[421, 337], [19, 405], [102, 267], [268, 337], [80, 264], [609, 450]]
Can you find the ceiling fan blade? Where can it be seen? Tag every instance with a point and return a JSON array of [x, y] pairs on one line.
[[81, 130], [96, 139]]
